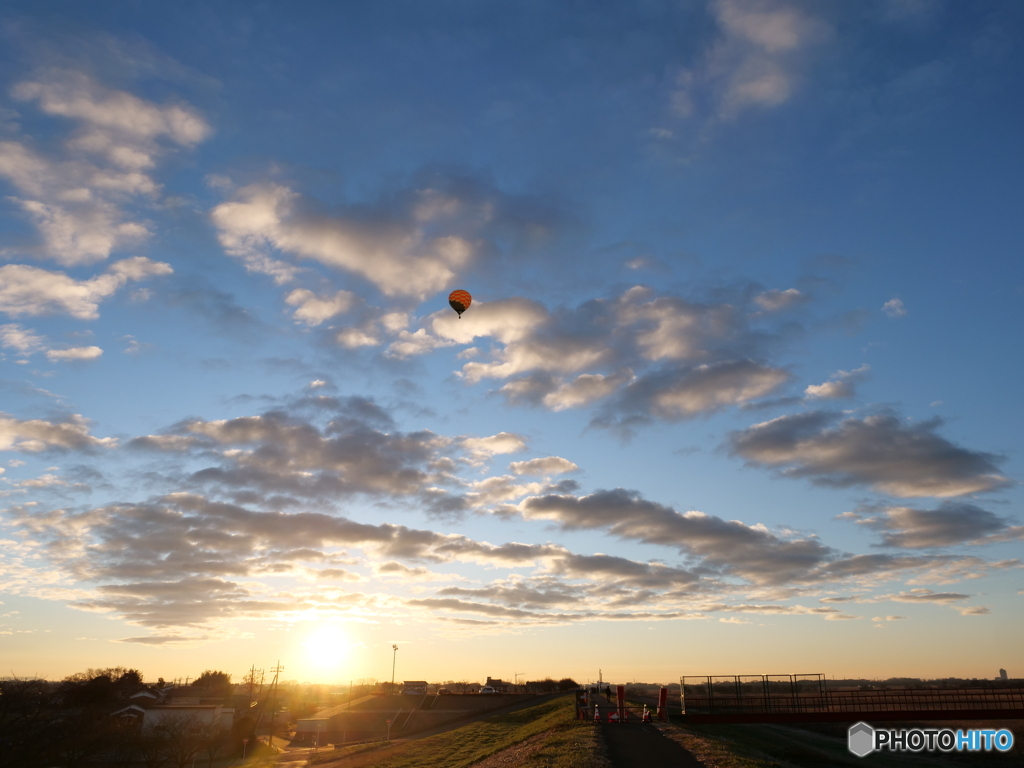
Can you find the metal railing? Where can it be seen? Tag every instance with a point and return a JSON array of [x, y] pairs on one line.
[[809, 694]]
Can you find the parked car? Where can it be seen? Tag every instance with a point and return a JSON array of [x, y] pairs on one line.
[[487, 689]]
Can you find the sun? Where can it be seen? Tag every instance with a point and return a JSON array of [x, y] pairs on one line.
[[326, 648]]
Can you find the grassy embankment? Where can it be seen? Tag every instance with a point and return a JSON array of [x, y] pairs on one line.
[[545, 736], [813, 746]]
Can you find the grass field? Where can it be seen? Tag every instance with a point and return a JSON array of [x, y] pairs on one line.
[[545, 736]]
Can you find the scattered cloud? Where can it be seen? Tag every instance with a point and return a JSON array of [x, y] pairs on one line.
[[923, 595], [77, 202], [973, 610], [165, 639], [776, 300], [686, 392], [26, 290], [545, 467], [74, 353], [756, 62], [35, 435], [881, 451], [399, 257], [953, 523], [503, 442], [408, 244], [22, 340], [646, 356], [731, 546], [585, 389], [894, 308], [313, 310], [841, 385]]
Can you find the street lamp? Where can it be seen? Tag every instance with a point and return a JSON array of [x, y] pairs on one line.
[[394, 657]]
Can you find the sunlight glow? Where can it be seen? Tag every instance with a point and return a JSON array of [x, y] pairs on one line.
[[325, 649]]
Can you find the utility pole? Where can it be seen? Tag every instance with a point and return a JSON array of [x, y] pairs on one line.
[[394, 658], [273, 706]]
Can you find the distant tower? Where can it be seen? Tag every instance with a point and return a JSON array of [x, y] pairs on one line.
[[1002, 674]]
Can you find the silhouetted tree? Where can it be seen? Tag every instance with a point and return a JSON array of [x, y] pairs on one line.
[[219, 682], [82, 733], [151, 747], [567, 684], [124, 742], [27, 709], [186, 736], [217, 741], [547, 685]]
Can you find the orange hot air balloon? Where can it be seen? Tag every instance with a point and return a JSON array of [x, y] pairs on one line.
[[460, 301]]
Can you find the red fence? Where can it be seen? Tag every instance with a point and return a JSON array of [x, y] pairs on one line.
[[791, 698], [599, 711]]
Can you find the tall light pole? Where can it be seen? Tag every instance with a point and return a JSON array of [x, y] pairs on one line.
[[394, 657]]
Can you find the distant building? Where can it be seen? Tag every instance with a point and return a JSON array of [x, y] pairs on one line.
[[1002, 674], [149, 716], [499, 686], [414, 687], [151, 707]]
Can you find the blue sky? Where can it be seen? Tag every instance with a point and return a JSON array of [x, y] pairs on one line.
[[735, 387]]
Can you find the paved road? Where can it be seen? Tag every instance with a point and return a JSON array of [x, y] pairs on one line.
[[634, 744]]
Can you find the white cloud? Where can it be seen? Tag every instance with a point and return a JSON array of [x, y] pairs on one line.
[[418, 343], [546, 466], [585, 389], [313, 310], [77, 203], [401, 257], [507, 320], [26, 290], [561, 359], [494, 490], [973, 610], [841, 385], [894, 308], [25, 341], [503, 442], [708, 387], [74, 353], [73, 94], [774, 300], [757, 61], [34, 435], [351, 338]]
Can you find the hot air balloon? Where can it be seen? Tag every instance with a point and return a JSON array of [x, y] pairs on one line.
[[460, 301]]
